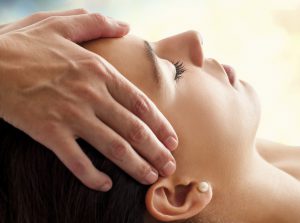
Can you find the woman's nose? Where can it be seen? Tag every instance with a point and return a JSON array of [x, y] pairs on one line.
[[184, 46]]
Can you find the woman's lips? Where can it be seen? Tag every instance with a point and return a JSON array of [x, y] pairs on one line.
[[230, 73]]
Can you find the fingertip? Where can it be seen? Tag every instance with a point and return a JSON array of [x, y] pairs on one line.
[[124, 28], [103, 182], [106, 186], [122, 24]]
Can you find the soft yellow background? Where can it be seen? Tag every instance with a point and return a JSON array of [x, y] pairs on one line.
[[260, 38]]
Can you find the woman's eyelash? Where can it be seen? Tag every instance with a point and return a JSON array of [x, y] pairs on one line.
[[179, 69]]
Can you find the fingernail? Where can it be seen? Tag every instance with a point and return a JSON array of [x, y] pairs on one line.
[[123, 24], [169, 168], [105, 187], [171, 143], [151, 177]]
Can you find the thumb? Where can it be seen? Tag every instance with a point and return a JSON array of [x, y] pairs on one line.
[[85, 27]]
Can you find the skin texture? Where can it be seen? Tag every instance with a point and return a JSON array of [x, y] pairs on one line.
[[284, 157], [216, 124], [57, 92]]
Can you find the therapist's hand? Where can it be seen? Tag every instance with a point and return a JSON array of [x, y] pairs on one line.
[[56, 92], [36, 17]]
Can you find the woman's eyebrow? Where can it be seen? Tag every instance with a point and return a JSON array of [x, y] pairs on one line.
[[153, 60]]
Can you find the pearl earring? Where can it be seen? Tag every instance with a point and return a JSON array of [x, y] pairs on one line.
[[203, 187]]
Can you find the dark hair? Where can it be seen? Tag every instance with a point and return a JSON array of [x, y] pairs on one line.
[[35, 187]]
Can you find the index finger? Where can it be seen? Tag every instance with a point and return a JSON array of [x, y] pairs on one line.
[[127, 94], [36, 17], [85, 27]]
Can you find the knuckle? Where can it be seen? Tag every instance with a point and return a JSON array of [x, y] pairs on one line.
[[78, 166], [162, 157], [138, 133], [48, 129], [99, 19], [55, 22], [118, 150], [52, 19], [91, 63], [38, 16], [162, 131], [106, 70], [141, 106], [96, 66], [51, 127], [72, 66], [70, 112], [143, 171], [87, 92]]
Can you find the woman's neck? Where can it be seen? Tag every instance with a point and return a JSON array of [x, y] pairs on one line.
[[284, 157], [265, 194]]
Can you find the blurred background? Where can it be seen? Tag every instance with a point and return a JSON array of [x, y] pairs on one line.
[[259, 38]]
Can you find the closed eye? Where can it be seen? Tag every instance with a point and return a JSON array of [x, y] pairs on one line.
[[153, 60], [180, 69]]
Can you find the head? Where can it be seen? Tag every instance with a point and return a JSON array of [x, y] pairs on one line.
[[215, 121]]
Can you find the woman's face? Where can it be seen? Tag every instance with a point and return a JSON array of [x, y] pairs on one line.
[[215, 120]]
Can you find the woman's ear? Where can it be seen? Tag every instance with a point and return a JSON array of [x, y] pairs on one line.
[[170, 201]]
